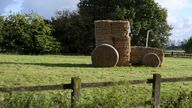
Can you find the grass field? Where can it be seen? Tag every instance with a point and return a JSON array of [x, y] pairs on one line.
[[26, 70]]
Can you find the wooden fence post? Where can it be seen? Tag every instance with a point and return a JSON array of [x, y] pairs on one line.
[[75, 95], [156, 90], [172, 54]]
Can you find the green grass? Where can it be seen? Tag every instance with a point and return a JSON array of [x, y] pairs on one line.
[[26, 70], [174, 51]]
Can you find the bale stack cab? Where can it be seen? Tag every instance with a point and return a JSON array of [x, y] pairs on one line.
[[121, 41], [114, 33]]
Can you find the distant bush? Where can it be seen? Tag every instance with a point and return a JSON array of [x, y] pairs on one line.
[[27, 34], [187, 46]]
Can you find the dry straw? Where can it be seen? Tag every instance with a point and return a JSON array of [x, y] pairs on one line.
[[103, 32], [119, 29], [104, 55], [137, 54], [151, 59], [123, 46], [114, 33]]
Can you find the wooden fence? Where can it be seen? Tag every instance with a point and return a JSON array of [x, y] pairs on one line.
[[76, 87], [178, 54]]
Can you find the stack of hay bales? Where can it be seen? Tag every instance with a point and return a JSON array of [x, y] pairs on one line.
[[103, 32], [121, 41], [113, 47], [139, 55], [114, 33]]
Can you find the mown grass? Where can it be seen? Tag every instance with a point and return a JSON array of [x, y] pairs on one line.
[[26, 70]]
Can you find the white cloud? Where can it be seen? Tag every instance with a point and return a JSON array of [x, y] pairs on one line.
[[47, 8], [15, 6], [173, 5], [4, 4], [172, 19], [178, 17], [183, 29], [188, 22]]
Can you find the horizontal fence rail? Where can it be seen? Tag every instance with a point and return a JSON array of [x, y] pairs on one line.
[[179, 79], [37, 88], [92, 85], [76, 85], [177, 54]]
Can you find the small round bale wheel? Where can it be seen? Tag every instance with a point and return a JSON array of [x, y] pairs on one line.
[[151, 59], [104, 55]]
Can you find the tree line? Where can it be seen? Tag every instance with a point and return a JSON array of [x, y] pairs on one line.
[[73, 31]]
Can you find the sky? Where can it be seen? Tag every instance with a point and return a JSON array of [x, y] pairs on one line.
[[179, 12]]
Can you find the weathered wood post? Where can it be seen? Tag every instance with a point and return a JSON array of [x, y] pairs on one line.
[[172, 54], [156, 90], [75, 95]]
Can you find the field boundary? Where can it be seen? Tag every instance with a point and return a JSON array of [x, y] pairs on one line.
[[177, 54], [76, 87]]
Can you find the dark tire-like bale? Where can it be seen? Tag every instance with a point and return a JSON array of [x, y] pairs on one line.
[[104, 55], [151, 59], [138, 52]]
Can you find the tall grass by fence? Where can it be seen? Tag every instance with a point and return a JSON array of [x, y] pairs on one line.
[[76, 87]]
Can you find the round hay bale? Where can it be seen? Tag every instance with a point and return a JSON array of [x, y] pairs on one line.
[[151, 59], [104, 55]]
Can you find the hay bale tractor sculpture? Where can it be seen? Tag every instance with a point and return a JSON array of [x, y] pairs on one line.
[[113, 47]]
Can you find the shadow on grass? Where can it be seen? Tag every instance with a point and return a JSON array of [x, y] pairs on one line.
[[52, 64]]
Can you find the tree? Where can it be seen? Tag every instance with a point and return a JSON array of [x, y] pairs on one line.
[[1, 27], [187, 45], [143, 15], [71, 31], [28, 34]]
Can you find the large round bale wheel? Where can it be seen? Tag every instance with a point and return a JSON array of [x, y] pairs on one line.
[[151, 59], [104, 55]]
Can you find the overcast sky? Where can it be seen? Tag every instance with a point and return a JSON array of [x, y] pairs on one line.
[[179, 12]]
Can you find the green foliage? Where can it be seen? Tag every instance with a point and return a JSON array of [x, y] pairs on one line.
[[75, 30], [71, 31], [1, 24], [1, 27], [34, 100], [142, 14], [187, 46], [110, 97], [116, 97], [123, 96], [182, 100], [27, 34]]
